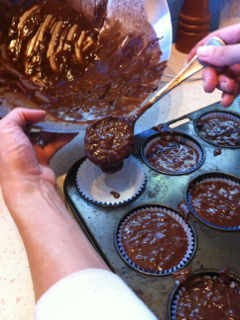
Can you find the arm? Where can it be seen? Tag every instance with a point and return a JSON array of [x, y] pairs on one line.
[[55, 245], [224, 63]]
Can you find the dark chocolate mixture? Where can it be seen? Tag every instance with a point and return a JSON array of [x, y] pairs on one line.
[[109, 142], [183, 208], [217, 152], [172, 156], [217, 202], [154, 241], [182, 275], [115, 194], [222, 131], [51, 54], [209, 299]]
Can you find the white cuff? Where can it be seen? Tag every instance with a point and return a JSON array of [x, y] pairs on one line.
[[89, 295]]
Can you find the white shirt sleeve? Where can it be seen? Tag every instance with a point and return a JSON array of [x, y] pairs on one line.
[[89, 295]]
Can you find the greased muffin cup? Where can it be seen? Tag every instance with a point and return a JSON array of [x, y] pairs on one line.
[[178, 138], [178, 292], [213, 177], [223, 115], [157, 208], [115, 189]]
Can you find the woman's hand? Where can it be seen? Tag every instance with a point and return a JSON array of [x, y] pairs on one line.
[[223, 71], [21, 160]]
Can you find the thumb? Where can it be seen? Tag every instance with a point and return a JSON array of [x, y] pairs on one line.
[[219, 56], [23, 117]]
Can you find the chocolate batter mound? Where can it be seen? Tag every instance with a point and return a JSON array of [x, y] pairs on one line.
[[221, 131], [154, 241], [75, 69], [209, 298], [171, 156], [217, 202], [108, 142]]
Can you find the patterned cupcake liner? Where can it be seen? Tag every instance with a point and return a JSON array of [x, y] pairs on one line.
[[181, 289], [192, 240], [213, 115], [178, 137], [98, 187], [211, 177]]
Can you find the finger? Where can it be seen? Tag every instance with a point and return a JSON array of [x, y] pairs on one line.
[[219, 56], [23, 117], [210, 79], [235, 70], [229, 35], [227, 99], [226, 84], [56, 144], [236, 90]]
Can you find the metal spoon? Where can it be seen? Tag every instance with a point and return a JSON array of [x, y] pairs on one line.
[[109, 141]]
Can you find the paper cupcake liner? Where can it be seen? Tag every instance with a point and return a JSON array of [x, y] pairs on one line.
[[192, 242], [220, 177], [181, 138], [214, 115], [181, 289], [96, 186]]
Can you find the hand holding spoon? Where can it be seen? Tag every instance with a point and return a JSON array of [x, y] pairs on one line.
[[110, 140]]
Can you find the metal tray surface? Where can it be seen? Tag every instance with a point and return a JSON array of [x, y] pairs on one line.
[[216, 249]]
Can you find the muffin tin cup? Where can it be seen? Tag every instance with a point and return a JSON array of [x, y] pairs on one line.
[[180, 288], [178, 137], [192, 239], [218, 114], [213, 176], [96, 186]]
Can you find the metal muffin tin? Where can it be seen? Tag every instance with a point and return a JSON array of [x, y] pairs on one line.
[[216, 249]]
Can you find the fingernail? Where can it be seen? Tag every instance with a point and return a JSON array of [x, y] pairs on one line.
[[204, 51], [225, 87]]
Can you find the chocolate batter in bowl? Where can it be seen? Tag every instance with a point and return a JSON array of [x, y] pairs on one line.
[[208, 295], [81, 60]]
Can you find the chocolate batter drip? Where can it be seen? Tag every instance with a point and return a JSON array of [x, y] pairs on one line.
[[217, 151], [183, 208], [115, 194], [181, 276]]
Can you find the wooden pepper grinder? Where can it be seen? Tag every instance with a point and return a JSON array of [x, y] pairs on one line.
[[193, 24]]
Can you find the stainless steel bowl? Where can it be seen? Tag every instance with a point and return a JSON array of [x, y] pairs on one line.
[[159, 17]]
